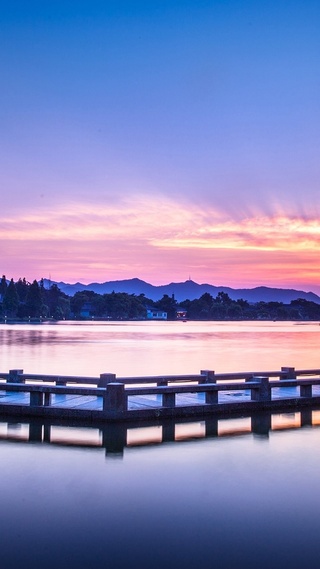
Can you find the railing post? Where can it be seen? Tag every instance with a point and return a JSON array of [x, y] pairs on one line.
[[16, 376], [47, 399], [36, 399], [211, 397], [263, 392], [288, 373], [208, 376], [106, 378], [306, 390], [169, 400], [115, 398]]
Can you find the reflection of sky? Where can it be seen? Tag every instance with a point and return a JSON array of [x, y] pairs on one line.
[[240, 501], [160, 139], [155, 348]]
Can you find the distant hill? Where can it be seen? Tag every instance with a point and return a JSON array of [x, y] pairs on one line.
[[188, 290]]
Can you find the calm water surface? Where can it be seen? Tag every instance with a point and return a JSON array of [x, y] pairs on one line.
[[236, 500], [145, 348]]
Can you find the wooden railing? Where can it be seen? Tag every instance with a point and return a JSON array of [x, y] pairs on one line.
[[260, 388], [113, 396], [205, 376]]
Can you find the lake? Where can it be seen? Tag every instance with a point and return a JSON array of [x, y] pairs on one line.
[[243, 496], [146, 348]]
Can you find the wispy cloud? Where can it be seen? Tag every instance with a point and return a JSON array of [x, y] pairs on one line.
[[160, 239], [259, 233], [163, 223]]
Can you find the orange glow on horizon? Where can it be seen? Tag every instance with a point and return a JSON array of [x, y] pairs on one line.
[[160, 240]]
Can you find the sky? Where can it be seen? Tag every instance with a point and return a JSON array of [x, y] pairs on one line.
[[161, 140]]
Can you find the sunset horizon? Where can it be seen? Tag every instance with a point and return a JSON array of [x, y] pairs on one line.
[[161, 141]]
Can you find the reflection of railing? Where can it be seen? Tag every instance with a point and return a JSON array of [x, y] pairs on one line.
[[156, 396], [115, 437]]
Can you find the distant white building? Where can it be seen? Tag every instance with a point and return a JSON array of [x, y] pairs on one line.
[[154, 314]]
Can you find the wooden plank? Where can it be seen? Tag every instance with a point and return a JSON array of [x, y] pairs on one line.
[[16, 398], [88, 403], [72, 402], [142, 402]]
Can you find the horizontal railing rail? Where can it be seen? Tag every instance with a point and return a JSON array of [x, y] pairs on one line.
[[55, 389], [116, 394], [209, 376]]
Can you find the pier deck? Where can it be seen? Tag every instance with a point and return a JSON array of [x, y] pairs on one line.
[[140, 402]]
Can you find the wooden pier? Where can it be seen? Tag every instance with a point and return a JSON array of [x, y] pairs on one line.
[[108, 398]]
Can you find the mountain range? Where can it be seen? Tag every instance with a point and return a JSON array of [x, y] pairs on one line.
[[187, 290]]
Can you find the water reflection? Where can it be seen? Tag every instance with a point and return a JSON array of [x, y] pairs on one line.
[[237, 493], [154, 348], [232, 493], [114, 438]]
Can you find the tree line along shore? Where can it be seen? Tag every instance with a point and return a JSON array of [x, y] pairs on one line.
[[23, 301]]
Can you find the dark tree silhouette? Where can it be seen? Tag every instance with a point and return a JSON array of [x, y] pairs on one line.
[[34, 300], [11, 300]]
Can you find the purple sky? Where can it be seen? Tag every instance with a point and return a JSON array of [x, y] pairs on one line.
[[161, 140]]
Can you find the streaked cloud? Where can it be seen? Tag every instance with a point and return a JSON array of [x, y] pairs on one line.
[[161, 142], [163, 223], [161, 239]]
